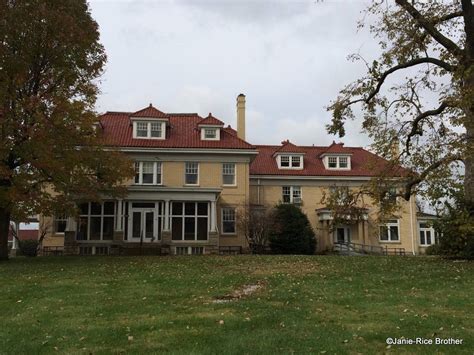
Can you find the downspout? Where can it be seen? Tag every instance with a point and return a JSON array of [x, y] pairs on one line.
[[412, 227], [258, 191]]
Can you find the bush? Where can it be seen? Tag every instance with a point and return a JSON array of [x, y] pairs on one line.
[[29, 247], [433, 250], [456, 231], [291, 232]]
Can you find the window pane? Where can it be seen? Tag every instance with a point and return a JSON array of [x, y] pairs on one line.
[[210, 133], [142, 129], [82, 229], [84, 208], [189, 208], [202, 229], [137, 172], [95, 228], [96, 209], [228, 179], [156, 129], [343, 162], [285, 161], [393, 233], [202, 208], [109, 208], [295, 162], [428, 237], [332, 162], [191, 179], [177, 228], [147, 172], [177, 208], [286, 191], [422, 237], [189, 228], [149, 220], [383, 233], [108, 233], [137, 225], [158, 173]]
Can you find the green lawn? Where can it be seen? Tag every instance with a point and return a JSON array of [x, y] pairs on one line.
[[310, 304]]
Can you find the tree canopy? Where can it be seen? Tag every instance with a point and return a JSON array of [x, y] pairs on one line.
[[51, 152], [419, 94]]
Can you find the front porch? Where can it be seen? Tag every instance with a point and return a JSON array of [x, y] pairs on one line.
[[171, 221]]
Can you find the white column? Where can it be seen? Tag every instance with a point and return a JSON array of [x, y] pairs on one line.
[[213, 216], [167, 216], [15, 241], [119, 220]]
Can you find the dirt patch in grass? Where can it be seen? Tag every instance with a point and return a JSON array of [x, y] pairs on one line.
[[241, 292]]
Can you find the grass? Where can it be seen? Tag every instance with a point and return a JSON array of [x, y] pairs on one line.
[[310, 304]]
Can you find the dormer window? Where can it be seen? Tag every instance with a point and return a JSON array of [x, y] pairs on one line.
[[149, 129], [290, 161], [210, 133], [337, 162]]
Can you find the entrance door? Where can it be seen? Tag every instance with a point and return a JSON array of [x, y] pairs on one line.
[[343, 235], [143, 225]]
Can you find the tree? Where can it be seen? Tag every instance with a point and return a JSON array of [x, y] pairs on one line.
[[50, 148], [255, 222], [291, 232], [427, 50]]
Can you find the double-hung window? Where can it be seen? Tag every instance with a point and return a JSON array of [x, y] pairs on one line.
[[191, 173], [389, 232], [210, 133], [148, 173], [142, 129], [290, 161], [228, 174], [149, 129], [291, 194], [228, 220], [337, 162]]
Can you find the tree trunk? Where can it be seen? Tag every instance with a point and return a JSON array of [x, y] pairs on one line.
[[4, 228]]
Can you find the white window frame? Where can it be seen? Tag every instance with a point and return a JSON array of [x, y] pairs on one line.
[[186, 173], [338, 162], [148, 125], [424, 230], [389, 224], [293, 189], [157, 172], [290, 158], [234, 220], [226, 173]]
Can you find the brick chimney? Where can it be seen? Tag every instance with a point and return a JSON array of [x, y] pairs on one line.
[[241, 116]]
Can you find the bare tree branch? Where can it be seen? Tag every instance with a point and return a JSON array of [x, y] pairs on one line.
[[421, 177], [415, 130], [430, 28]]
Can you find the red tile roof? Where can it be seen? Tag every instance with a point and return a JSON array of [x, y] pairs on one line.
[[211, 120], [149, 112], [182, 132], [363, 163], [335, 148], [288, 147]]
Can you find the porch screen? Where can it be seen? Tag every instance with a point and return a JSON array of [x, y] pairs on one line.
[[189, 221]]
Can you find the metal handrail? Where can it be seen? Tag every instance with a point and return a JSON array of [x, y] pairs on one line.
[[367, 248]]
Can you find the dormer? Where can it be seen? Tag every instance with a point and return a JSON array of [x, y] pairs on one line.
[[149, 123], [289, 156], [210, 128], [336, 157]]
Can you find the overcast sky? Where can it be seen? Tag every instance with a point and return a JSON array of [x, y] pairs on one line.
[[288, 57]]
